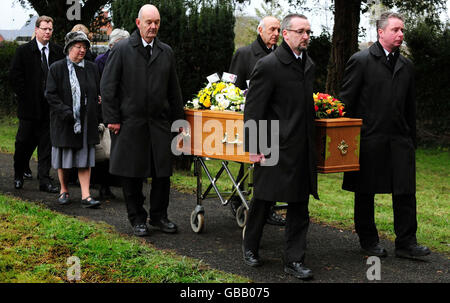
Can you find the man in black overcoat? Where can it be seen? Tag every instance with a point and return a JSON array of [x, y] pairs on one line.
[[281, 90], [242, 64], [378, 87], [28, 77], [141, 96]]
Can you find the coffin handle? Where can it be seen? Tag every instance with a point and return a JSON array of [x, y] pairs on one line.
[[235, 141]]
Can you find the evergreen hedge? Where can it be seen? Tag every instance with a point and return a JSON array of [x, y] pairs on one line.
[[7, 97], [200, 33]]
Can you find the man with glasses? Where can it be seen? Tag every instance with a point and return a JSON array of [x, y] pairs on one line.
[[242, 65], [281, 89], [28, 77]]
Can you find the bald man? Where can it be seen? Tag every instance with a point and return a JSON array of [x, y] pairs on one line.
[[141, 98], [242, 64]]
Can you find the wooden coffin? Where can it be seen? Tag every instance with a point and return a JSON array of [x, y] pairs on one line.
[[215, 134], [337, 143], [219, 135]]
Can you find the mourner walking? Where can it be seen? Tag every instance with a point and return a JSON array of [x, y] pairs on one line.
[[378, 86], [28, 77], [284, 97], [242, 64], [141, 97]]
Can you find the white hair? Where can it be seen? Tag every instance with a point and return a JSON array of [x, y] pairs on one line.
[[117, 35]]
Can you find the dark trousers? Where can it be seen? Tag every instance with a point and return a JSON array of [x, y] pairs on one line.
[[405, 219], [297, 223], [29, 135], [134, 199]]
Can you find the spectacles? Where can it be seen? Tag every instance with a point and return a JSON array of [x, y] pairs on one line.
[[46, 29], [80, 47], [301, 32]]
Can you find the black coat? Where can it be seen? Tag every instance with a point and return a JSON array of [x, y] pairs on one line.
[[59, 96], [281, 90], [385, 100], [244, 60], [145, 98], [27, 79]]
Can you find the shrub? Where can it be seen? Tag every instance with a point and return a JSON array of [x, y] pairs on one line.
[[7, 98]]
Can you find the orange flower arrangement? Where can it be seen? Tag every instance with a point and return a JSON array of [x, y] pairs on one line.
[[327, 106]]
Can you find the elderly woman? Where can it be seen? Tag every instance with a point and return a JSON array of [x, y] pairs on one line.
[[116, 35], [73, 94]]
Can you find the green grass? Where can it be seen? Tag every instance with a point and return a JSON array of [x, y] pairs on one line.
[[35, 244], [335, 207]]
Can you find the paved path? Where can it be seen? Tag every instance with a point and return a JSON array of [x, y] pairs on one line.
[[333, 255]]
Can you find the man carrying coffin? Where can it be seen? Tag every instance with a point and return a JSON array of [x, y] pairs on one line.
[[281, 91]]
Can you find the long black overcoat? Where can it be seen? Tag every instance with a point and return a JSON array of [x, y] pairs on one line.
[[385, 101], [27, 79], [244, 60], [59, 96], [145, 98], [281, 90]]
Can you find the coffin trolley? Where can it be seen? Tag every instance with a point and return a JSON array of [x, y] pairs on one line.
[[219, 135]]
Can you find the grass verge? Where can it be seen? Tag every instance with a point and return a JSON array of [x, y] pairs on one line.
[[35, 244]]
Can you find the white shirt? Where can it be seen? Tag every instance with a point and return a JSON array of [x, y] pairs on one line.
[[297, 56], [145, 43], [40, 46]]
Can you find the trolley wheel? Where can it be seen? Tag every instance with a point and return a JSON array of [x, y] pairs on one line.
[[197, 221], [241, 216], [235, 202]]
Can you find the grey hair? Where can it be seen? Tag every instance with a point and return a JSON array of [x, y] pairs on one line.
[[261, 24], [382, 22], [117, 35], [286, 23], [142, 8]]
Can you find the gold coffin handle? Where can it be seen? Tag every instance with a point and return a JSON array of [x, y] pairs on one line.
[[343, 147], [235, 141]]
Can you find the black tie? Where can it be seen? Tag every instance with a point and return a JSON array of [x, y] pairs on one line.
[[391, 60], [148, 48], [44, 62]]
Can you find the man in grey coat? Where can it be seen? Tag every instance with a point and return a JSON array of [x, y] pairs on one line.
[[242, 64], [141, 97], [281, 91], [378, 86]]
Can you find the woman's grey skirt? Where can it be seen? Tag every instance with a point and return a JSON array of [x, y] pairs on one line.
[[63, 157]]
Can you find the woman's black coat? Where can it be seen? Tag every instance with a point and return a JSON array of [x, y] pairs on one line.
[[59, 96]]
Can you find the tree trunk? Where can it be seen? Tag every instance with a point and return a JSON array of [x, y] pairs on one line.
[[344, 42]]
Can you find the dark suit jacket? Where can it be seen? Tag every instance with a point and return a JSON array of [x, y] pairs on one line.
[[144, 97], [27, 79], [59, 96], [243, 62], [385, 100], [281, 90]]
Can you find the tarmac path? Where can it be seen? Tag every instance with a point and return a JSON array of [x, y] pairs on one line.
[[333, 254]]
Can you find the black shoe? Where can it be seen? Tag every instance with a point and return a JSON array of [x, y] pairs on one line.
[[50, 188], [275, 219], [63, 198], [90, 203], [106, 193], [18, 183], [28, 175], [374, 250], [250, 258], [141, 230], [412, 251], [165, 225], [298, 270]]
